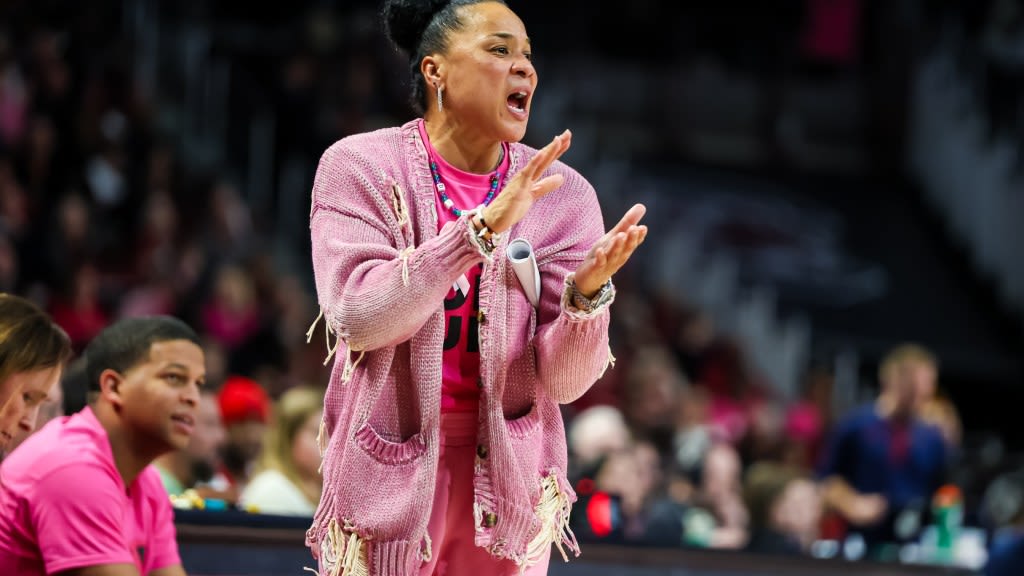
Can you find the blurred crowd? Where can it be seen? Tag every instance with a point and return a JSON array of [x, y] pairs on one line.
[[102, 217], [682, 443]]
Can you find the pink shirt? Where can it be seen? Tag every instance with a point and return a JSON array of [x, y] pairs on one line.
[[460, 363], [63, 505]]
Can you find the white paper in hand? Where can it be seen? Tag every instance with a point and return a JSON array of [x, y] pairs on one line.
[[520, 254]]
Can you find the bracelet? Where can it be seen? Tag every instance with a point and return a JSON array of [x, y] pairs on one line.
[[485, 238], [485, 230], [584, 304]]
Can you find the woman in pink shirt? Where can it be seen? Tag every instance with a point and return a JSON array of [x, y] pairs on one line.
[[444, 447], [33, 351]]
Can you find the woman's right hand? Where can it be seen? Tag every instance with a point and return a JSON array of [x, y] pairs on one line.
[[519, 194]]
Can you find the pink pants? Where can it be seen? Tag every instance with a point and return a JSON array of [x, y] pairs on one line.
[[451, 518]]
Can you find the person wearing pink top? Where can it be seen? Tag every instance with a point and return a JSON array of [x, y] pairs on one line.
[[443, 442], [81, 497]]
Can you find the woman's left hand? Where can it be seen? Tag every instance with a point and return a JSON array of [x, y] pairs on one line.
[[611, 252]]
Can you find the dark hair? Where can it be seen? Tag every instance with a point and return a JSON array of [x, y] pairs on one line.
[[127, 342], [29, 339], [421, 27], [75, 386]]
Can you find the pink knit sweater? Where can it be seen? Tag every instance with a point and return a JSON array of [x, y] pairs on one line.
[[382, 271]]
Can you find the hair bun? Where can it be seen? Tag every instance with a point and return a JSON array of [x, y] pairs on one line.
[[406, 20]]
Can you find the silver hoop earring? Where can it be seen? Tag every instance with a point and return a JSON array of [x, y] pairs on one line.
[[440, 98]]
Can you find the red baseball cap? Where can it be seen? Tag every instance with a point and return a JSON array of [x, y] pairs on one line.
[[242, 399]]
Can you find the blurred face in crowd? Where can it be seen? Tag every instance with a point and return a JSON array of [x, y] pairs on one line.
[[797, 512], [245, 441], [597, 431], [911, 385], [621, 475], [21, 395], [208, 439], [655, 385], [721, 472], [305, 450]]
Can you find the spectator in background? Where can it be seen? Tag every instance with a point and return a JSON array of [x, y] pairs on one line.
[[884, 461], [654, 386], [703, 505], [808, 419], [245, 409], [232, 316], [79, 310], [940, 412], [289, 481], [721, 493], [228, 229], [33, 350], [593, 434], [785, 509], [765, 438], [196, 465], [615, 495], [70, 239], [81, 494], [693, 341]]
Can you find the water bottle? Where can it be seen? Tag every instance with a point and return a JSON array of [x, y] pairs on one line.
[[947, 508]]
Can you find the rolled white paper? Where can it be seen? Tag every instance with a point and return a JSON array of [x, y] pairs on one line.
[[461, 285], [520, 254]]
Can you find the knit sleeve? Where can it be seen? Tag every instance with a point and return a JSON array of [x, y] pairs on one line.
[[372, 293], [572, 349]]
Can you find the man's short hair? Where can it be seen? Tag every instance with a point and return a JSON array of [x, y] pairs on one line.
[[126, 343]]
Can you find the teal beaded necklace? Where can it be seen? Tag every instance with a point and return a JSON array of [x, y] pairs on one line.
[[495, 181]]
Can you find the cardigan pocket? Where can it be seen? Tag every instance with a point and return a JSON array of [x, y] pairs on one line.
[[523, 427], [386, 451]]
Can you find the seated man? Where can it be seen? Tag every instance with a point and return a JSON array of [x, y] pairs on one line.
[[80, 496], [884, 462]]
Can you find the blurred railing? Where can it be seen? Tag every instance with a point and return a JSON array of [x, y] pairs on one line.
[[269, 545]]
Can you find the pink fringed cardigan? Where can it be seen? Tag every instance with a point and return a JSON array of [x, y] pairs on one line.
[[382, 272]]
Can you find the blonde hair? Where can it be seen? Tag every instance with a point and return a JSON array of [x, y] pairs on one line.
[[290, 413], [29, 340], [905, 354]]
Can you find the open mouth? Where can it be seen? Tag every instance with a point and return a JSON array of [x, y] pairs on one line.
[[517, 101], [184, 421]]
